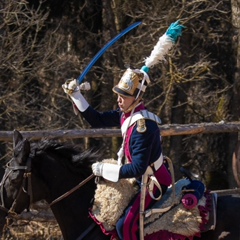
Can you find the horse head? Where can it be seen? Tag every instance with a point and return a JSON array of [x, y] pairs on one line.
[[13, 187], [47, 170]]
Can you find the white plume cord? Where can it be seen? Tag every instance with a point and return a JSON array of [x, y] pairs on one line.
[[121, 150], [142, 83], [145, 78]]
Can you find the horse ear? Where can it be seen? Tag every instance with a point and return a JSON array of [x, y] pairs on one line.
[[21, 148], [17, 137]]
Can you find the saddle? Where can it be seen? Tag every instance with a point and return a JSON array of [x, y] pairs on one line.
[[169, 218], [180, 222]]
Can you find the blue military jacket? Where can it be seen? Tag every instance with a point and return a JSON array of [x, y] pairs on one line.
[[145, 148]]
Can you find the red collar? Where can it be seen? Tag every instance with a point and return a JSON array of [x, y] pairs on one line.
[[137, 109]]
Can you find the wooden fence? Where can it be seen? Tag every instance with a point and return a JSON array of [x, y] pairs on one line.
[[166, 130], [41, 212]]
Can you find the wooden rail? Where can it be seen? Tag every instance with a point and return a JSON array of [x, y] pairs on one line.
[[166, 130]]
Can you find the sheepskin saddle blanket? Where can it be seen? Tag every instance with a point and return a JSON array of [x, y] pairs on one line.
[[111, 199], [179, 220]]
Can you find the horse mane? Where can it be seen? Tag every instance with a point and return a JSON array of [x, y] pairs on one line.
[[72, 156]]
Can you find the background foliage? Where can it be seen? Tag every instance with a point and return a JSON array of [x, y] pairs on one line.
[[43, 43]]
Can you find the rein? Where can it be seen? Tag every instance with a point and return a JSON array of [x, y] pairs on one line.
[[26, 175], [72, 190]]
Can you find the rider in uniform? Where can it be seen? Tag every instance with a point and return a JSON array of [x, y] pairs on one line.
[[141, 147]]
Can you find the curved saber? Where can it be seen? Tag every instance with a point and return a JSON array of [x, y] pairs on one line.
[[104, 49]]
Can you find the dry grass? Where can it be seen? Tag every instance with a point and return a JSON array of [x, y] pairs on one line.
[[39, 223], [29, 230]]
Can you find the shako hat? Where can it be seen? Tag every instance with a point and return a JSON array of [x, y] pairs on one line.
[[134, 82]]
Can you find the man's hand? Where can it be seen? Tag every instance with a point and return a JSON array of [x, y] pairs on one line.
[[97, 169], [70, 86], [85, 86]]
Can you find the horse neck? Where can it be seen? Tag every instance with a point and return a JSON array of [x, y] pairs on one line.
[[72, 213], [51, 181]]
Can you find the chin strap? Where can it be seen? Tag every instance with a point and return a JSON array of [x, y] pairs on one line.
[[134, 105], [141, 91]]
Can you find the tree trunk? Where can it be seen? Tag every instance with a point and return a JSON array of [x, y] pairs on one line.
[[176, 149], [234, 143]]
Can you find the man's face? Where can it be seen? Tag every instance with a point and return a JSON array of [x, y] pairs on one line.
[[125, 102]]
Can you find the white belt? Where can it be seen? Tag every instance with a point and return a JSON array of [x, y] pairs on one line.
[[157, 164], [153, 180]]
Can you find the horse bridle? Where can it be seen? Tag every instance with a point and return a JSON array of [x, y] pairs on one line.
[[11, 213], [26, 177]]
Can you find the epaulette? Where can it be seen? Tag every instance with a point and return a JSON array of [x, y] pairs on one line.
[[141, 125], [144, 114]]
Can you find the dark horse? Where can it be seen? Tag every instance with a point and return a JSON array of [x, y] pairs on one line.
[[47, 170]]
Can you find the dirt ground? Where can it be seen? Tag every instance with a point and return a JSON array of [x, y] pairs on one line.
[[31, 230], [37, 224]]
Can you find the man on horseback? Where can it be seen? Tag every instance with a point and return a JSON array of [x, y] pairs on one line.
[[141, 151]]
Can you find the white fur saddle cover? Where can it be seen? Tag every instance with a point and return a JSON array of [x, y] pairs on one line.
[[178, 220], [111, 199]]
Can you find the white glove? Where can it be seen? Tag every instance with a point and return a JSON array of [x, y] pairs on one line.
[[72, 85], [97, 169], [85, 86], [72, 88], [106, 170]]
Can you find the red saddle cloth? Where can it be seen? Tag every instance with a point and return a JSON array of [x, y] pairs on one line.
[[165, 235], [131, 223], [131, 227], [112, 233], [131, 230], [204, 213]]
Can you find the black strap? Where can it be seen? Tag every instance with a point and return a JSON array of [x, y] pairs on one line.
[[84, 234]]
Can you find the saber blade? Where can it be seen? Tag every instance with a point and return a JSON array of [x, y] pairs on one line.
[[104, 49]]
